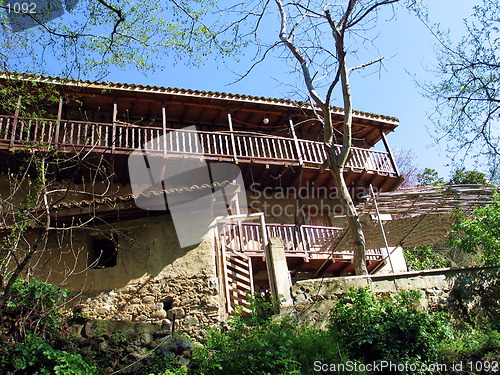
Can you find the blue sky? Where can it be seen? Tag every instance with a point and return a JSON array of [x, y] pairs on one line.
[[404, 41]]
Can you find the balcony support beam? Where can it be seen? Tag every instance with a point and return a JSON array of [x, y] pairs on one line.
[[389, 151]]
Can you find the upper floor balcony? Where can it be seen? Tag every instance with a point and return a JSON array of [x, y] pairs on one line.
[[233, 146]]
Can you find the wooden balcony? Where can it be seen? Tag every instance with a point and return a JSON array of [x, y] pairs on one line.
[[71, 136], [306, 248]]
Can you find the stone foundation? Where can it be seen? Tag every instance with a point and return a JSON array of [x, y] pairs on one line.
[[189, 303], [468, 292]]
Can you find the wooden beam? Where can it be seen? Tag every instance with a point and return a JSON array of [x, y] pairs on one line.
[[389, 151]]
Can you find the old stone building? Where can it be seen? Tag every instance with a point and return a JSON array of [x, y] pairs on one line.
[[126, 162]]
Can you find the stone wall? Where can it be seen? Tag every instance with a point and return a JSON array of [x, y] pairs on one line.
[[469, 292]]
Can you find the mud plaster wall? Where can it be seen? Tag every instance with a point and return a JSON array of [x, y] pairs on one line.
[[153, 281], [469, 292]]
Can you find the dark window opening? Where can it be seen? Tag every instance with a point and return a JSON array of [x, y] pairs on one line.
[[168, 303], [103, 253]]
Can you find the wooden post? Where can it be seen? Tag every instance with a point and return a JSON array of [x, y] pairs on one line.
[[381, 228], [113, 132], [389, 151], [58, 124], [233, 142], [14, 122], [276, 270], [164, 123], [295, 140]]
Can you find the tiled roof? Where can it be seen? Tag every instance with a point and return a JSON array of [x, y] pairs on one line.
[[189, 92]]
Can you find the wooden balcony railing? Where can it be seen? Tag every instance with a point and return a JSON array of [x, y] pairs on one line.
[[26, 132], [299, 240]]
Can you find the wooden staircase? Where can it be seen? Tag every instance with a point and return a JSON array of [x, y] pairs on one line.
[[239, 280]]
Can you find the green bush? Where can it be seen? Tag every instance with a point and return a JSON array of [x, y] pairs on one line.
[[252, 344], [480, 233], [375, 328], [469, 343], [38, 357], [33, 306], [426, 257]]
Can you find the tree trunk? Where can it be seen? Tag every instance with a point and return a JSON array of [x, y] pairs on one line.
[[352, 218]]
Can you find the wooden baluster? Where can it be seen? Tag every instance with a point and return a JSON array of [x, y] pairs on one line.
[[164, 126], [50, 132], [43, 135], [262, 147], [233, 143], [243, 150], [218, 144], [3, 127], [268, 152], [311, 147], [14, 122], [72, 134], [190, 139], [58, 123], [113, 131], [286, 143], [303, 152], [251, 141], [176, 144], [21, 129], [295, 140], [304, 241]]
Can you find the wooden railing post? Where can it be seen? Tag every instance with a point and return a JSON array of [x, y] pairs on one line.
[[58, 124], [233, 142], [113, 131], [14, 122], [295, 140], [389, 151], [164, 123], [304, 241]]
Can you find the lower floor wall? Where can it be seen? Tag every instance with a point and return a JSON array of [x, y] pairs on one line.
[[187, 304], [152, 279], [469, 292]]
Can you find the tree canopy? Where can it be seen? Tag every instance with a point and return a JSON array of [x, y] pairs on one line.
[[92, 37], [467, 91]]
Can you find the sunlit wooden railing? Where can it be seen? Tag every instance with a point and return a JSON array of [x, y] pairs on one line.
[[298, 240], [26, 132]]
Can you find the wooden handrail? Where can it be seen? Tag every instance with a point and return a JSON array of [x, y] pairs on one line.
[[127, 137], [298, 240]]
